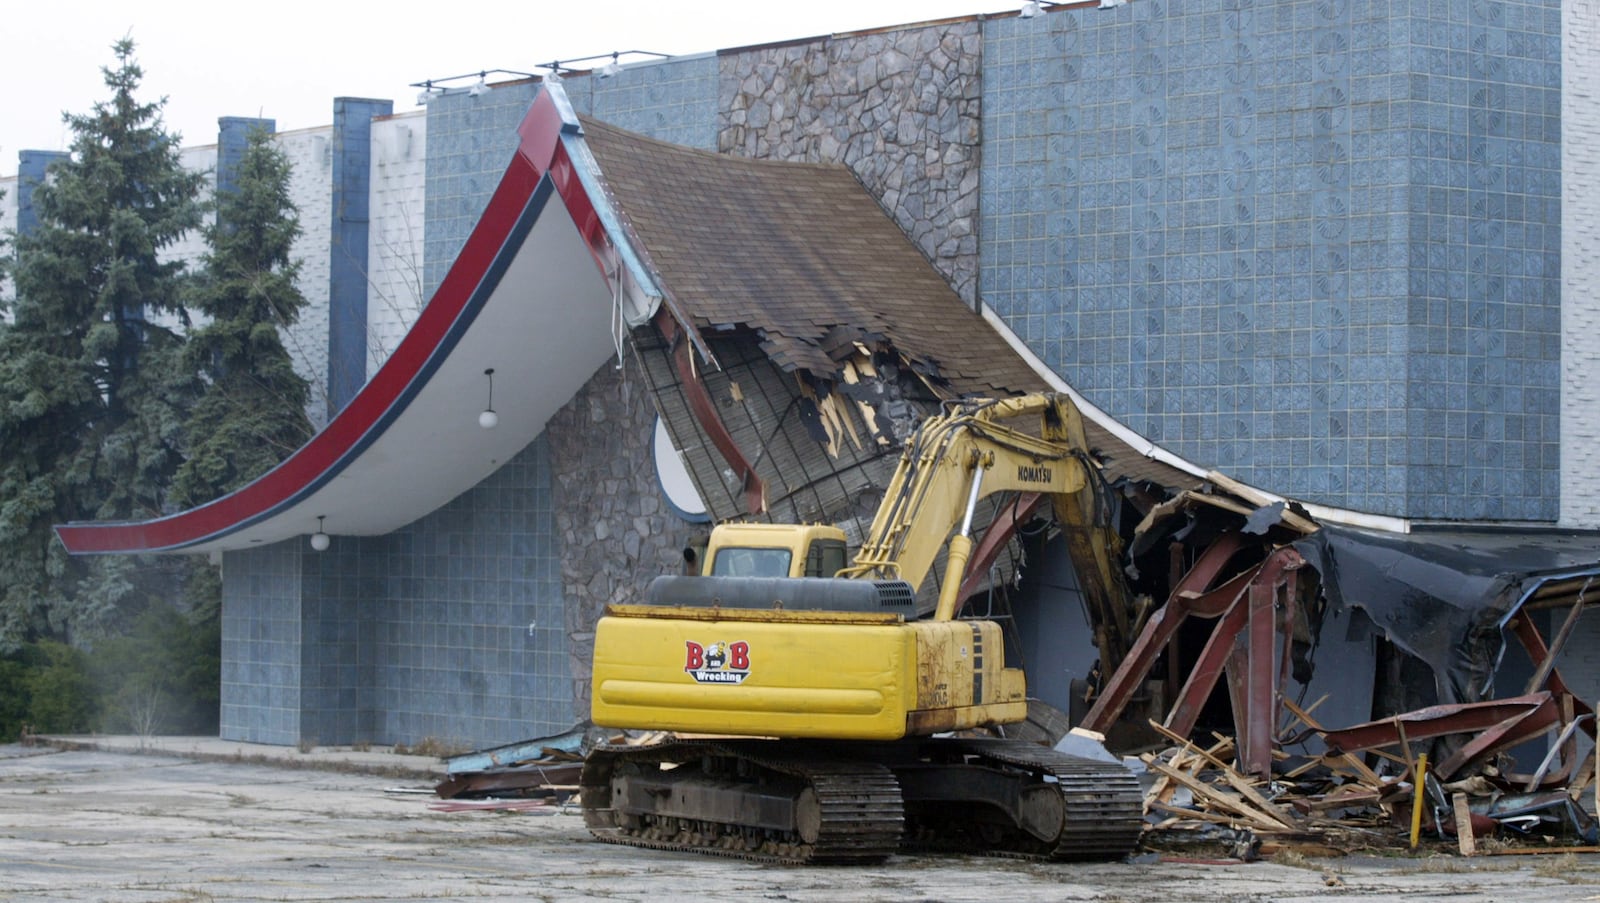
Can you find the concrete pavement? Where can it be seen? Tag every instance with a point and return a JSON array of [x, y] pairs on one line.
[[163, 825], [377, 760]]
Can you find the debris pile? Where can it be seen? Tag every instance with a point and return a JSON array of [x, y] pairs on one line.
[[1436, 652], [1361, 791], [545, 768], [542, 771]]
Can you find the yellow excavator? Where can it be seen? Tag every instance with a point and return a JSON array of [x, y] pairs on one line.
[[829, 722]]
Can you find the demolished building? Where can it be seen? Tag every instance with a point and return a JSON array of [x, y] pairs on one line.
[[787, 333]]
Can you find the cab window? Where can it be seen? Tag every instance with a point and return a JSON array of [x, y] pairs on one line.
[[825, 558], [736, 562]]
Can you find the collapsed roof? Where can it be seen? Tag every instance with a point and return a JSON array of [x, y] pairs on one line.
[[701, 246]]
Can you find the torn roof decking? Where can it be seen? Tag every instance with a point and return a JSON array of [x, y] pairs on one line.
[[803, 255], [795, 250]]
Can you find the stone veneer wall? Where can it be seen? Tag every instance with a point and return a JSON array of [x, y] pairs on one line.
[[616, 531], [900, 108]]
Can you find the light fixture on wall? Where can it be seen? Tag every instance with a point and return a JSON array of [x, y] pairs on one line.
[[489, 419], [613, 67], [481, 86], [319, 539], [1030, 9], [1112, 4]]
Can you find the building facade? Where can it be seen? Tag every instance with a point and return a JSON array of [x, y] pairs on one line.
[[1338, 250]]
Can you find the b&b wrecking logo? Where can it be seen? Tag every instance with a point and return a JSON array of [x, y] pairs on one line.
[[718, 663]]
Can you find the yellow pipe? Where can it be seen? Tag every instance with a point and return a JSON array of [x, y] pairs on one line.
[[1419, 790]]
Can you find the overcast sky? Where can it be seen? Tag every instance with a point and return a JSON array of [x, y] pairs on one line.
[[287, 60]]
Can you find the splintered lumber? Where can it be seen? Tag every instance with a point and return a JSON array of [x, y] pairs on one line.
[[1233, 777], [1361, 769], [1254, 496], [1187, 745], [1248, 790], [1343, 796], [1221, 798], [1217, 501], [1585, 774], [1181, 813], [1463, 815]]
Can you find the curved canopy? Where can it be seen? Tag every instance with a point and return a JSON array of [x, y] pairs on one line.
[[520, 299]]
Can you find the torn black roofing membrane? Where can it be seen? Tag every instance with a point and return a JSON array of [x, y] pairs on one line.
[[1445, 596]]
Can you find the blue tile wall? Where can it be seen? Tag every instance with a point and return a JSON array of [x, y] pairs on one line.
[[32, 166], [452, 627], [336, 692], [1313, 244], [469, 639], [674, 100], [347, 252], [233, 139], [261, 645], [470, 143]]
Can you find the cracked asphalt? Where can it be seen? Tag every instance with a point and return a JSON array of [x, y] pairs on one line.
[[116, 826]]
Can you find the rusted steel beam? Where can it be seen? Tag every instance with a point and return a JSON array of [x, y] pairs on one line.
[[1268, 595], [1542, 670], [1540, 654], [1000, 531], [1209, 667], [1210, 564], [1436, 721], [1122, 684], [1516, 729], [1244, 646], [1161, 627], [1254, 722], [705, 411]]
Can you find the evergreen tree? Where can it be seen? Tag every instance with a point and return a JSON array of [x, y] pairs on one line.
[[5, 266], [93, 389], [252, 412]]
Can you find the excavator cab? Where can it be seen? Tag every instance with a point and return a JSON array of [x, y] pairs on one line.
[[775, 550]]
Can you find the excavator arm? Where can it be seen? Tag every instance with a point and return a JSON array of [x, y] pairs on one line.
[[974, 449]]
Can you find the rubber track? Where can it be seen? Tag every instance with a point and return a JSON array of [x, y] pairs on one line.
[[860, 801], [1104, 812]]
